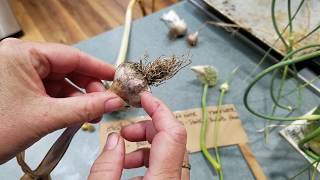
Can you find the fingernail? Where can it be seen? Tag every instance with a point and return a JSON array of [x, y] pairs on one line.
[[145, 93], [112, 141], [113, 105]]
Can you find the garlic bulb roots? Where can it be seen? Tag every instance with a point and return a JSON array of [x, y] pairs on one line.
[[133, 78]]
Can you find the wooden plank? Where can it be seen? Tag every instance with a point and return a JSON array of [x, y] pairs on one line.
[[252, 162], [54, 23], [112, 17], [70, 21], [31, 32], [88, 19], [136, 10]]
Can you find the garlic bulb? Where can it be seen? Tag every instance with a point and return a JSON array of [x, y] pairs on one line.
[[192, 38], [128, 82], [177, 29], [132, 78]]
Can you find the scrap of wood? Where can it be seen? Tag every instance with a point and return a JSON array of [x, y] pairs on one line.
[[142, 7], [252, 162]]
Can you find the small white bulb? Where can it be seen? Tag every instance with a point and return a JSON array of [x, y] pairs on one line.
[[177, 29], [192, 38]]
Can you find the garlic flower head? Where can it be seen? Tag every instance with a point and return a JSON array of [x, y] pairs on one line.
[[224, 87], [206, 74], [192, 38], [132, 78]]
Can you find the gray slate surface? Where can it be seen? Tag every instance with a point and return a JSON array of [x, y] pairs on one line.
[[217, 47]]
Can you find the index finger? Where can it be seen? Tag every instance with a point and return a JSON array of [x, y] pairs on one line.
[[169, 144], [64, 59], [162, 118]]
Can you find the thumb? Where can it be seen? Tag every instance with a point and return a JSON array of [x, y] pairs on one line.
[[64, 112], [109, 164]]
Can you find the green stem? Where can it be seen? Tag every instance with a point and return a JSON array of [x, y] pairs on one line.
[[286, 68], [307, 35], [126, 34], [204, 125], [307, 139], [275, 25], [276, 100], [314, 171], [296, 12], [282, 82], [216, 124], [304, 169], [301, 86], [220, 174], [274, 43], [290, 27], [216, 131], [274, 67]]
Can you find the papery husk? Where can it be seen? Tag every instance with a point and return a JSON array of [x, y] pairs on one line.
[[128, 83]]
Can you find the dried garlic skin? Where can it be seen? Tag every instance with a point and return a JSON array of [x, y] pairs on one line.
[[178, 27], [128, 83]]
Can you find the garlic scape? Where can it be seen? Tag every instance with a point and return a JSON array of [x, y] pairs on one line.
[[208, 76]]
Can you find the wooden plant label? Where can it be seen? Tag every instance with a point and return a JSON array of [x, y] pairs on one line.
[[230, 132]]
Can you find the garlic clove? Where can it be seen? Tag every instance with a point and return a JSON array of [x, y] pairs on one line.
[[170, 16], [192, 38], [177, 29]]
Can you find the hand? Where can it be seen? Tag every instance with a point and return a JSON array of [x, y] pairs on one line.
[[164, 160], [36, 98]]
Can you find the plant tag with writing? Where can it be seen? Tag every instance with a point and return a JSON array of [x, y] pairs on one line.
[[230, 132]]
